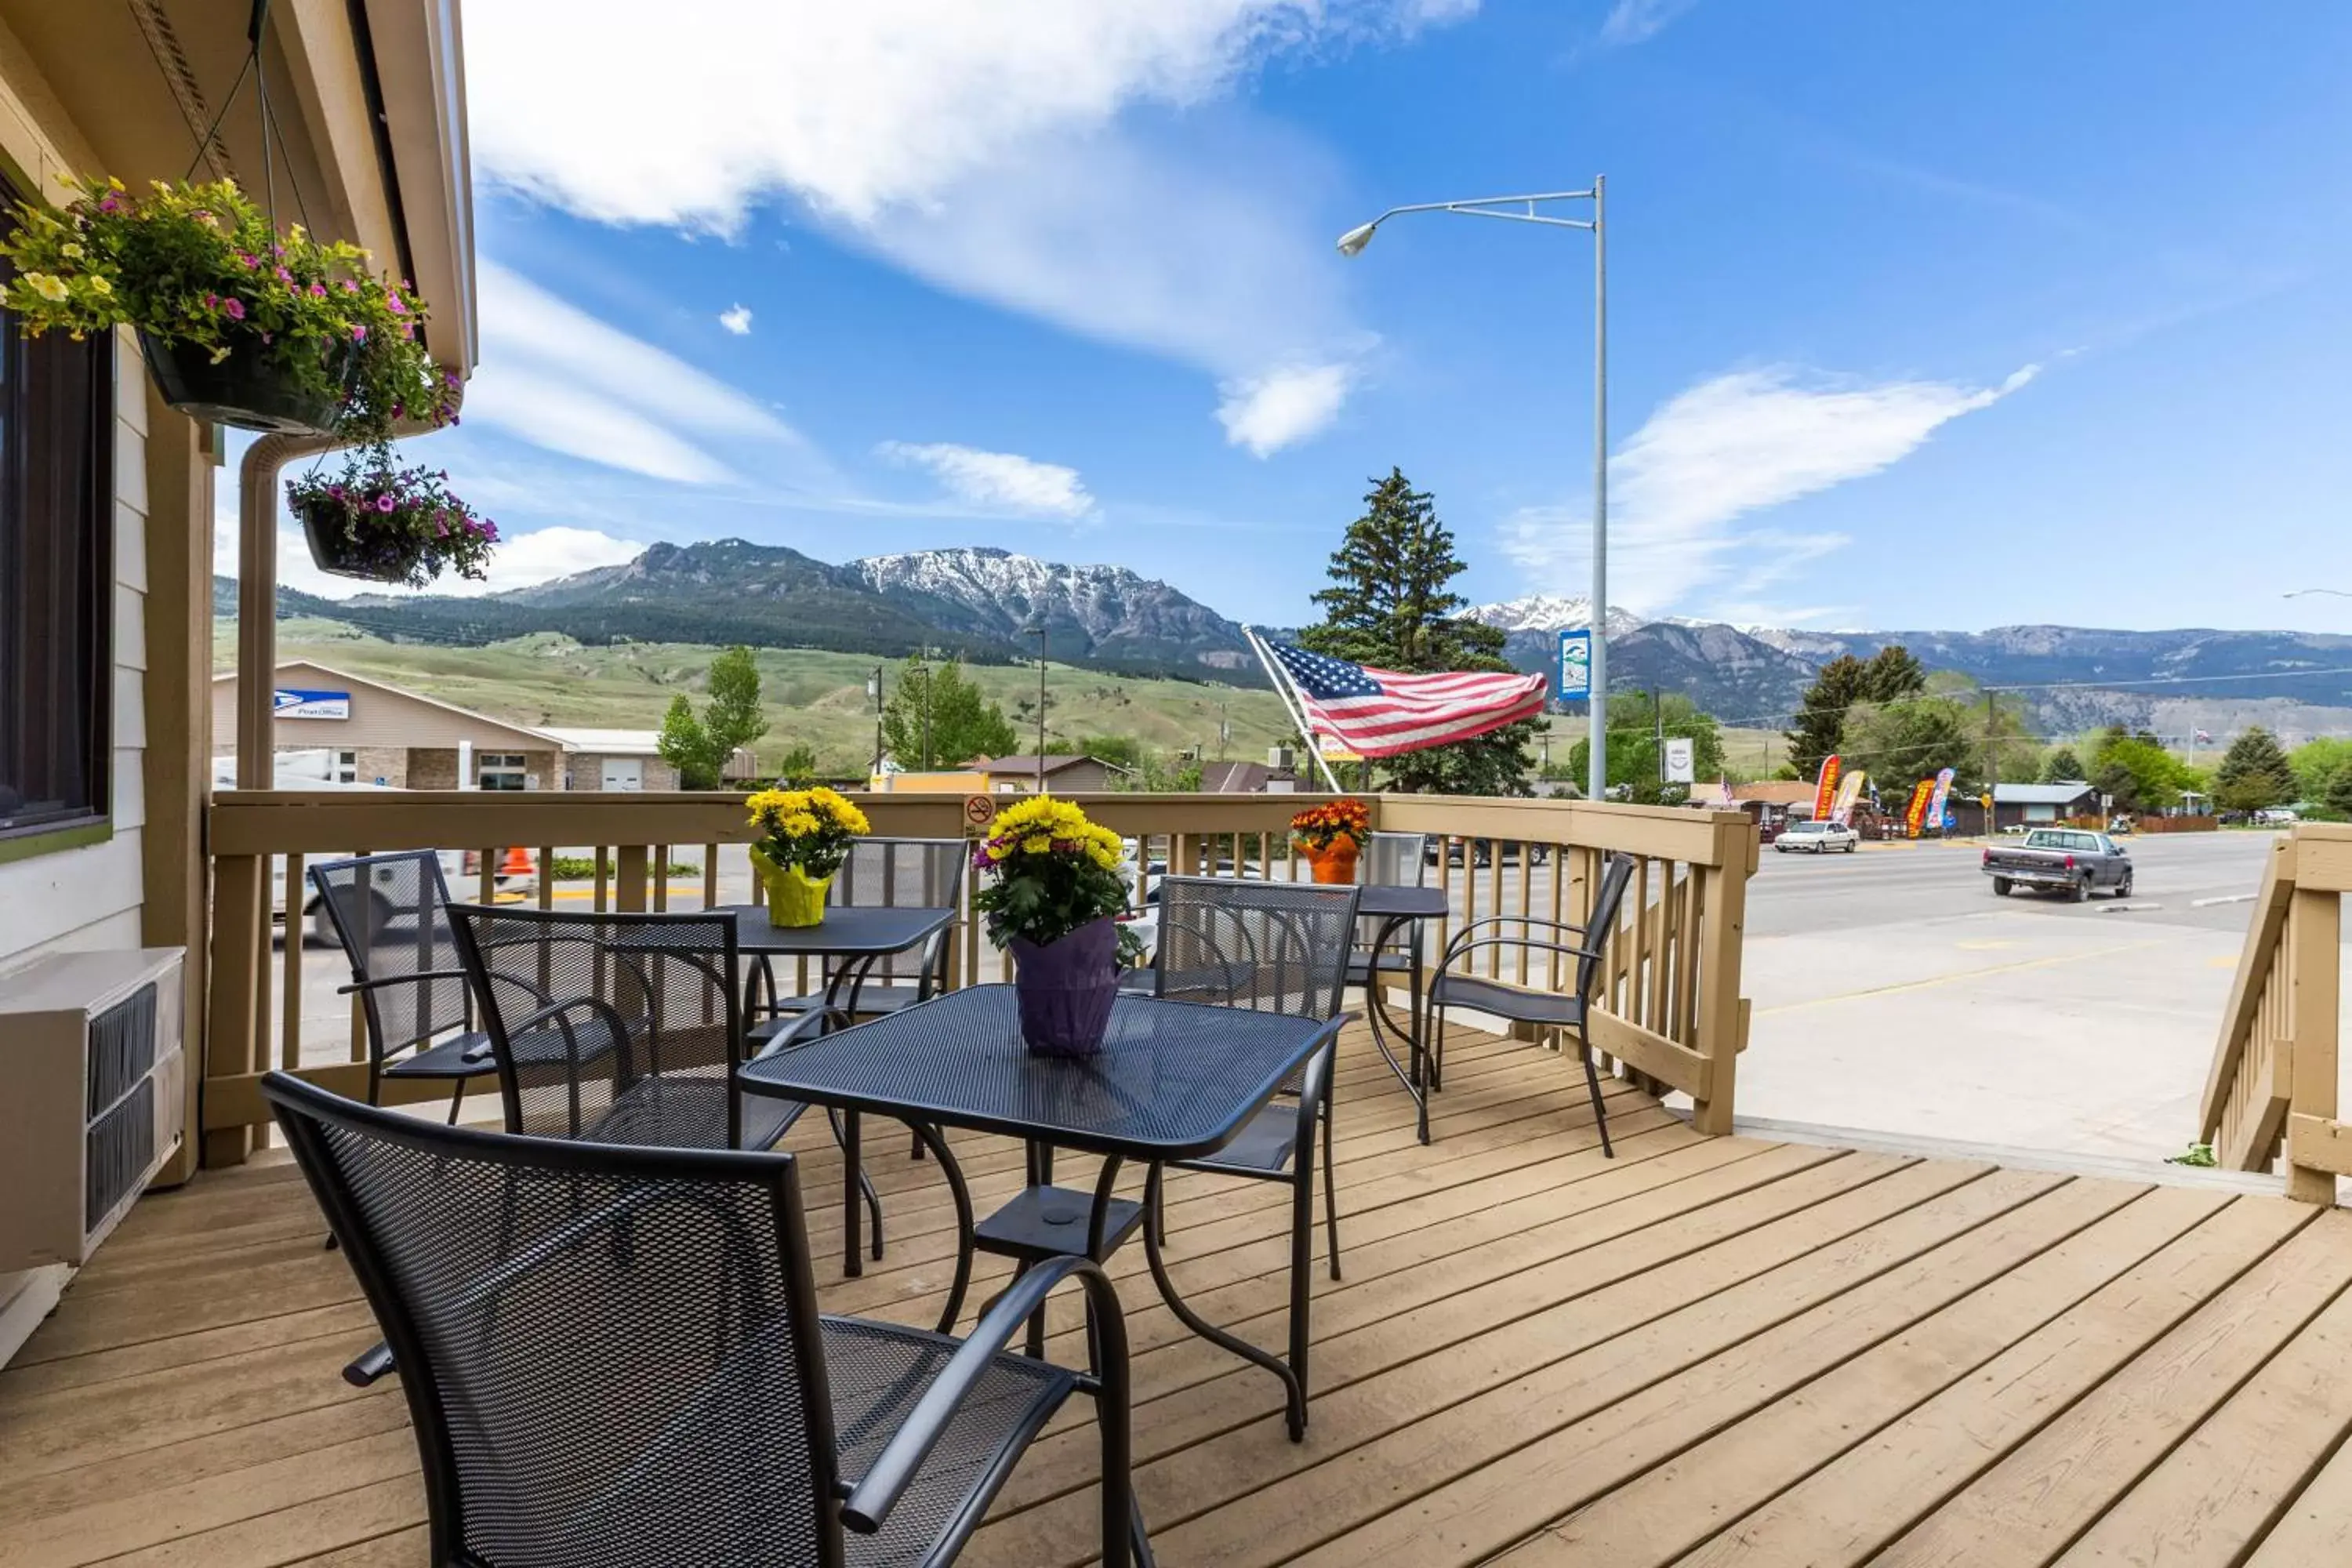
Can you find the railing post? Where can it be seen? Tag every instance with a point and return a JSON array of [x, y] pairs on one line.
[[240, 904], [1724, 917], [2315, 925]]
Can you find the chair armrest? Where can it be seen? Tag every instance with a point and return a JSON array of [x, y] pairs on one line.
[[1462, 931], [371, 1366], [869, 1503], [380, 982], [811, 1024], [1453, 953]]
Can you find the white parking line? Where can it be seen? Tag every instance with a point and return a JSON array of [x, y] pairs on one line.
[[2224, 898]]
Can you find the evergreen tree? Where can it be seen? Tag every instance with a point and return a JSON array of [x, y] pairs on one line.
[[699, 748], [963, 723], [1841, 693], [1914, 738], [2254, 773], [1389, 604], [2061, 766]]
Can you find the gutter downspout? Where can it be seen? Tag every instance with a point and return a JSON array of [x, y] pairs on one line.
[[256, 611]]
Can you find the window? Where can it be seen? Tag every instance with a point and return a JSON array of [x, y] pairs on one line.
[[347, 767], [504, 770], [57, 577]]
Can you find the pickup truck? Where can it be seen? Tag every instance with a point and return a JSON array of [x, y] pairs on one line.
[[2069, 860]]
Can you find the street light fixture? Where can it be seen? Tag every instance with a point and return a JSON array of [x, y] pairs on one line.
[[1523, 209]]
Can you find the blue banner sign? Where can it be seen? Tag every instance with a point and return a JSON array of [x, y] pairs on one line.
[[297, 703], [1575, 680]]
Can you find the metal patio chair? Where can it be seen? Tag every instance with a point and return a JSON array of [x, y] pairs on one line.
[[1559, 1011], [1276, 947], [1391, 860], [614, 1356], [882, 873], [391, 912]]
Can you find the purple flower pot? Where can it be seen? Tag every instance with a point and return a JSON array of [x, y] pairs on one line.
[[1066, 989]]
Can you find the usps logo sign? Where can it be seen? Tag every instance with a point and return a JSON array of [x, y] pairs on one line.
[[295, 703]]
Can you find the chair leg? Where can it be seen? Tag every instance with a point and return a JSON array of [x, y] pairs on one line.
[[1593, 1084], [1330, 1191], [456, 1101], [1302, 1264]]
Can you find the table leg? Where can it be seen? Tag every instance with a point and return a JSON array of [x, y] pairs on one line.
[[1417, 1078], [853, 1262], [930, 1137], [1294, 1391]]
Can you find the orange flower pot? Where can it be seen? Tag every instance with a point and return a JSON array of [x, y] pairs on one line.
[[1335, 864]]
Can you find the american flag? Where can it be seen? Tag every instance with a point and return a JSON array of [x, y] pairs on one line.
[[1382, 714]]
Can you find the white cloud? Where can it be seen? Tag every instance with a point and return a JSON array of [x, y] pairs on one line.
[[993, 149], [562, 379], [1637, 21], [520, 561], [737, 320], [1269, 412], [998, 481], [1733, 444]]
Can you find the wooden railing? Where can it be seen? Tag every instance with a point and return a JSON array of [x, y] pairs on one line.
[[1669, 1012], [2272, 1087]]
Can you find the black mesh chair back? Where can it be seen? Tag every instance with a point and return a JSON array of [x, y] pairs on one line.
[[613, 1358], [616, 1029], [614, 1361], [1275, 947], [392, 914], [1616, 872], [919, 873]]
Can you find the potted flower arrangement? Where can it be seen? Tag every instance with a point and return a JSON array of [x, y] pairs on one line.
[[238, 324], [390, 525], [1055, 888], [804, 835], [1331, 835]]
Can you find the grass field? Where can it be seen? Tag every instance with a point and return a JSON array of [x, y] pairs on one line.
[[811, 696]]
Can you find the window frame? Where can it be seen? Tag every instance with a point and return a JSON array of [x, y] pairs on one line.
[[510, 764], [95, 823]]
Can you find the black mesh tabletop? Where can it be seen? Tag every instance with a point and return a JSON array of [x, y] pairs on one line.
[[1381, 900], [848, 931], [1174, 1080]]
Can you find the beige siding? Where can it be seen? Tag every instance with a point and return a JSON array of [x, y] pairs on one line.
[[380, 716]]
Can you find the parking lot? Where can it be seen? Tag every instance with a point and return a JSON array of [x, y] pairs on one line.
[[1894, 993]]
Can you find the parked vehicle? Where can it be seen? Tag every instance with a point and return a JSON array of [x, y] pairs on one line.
[[2069, 860], [1480, 852], [1817, 839]]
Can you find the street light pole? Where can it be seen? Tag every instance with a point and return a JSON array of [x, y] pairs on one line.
[[1039, 632], [1352, 243]]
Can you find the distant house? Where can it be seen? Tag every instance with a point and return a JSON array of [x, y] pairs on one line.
[[1066, 774], [1236, 778], [2019, 803]]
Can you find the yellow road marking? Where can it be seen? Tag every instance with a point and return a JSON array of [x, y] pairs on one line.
[[1933, 981], [1989, 944]]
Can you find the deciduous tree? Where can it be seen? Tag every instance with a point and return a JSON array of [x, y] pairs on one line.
[[698, 748], [963, 723]]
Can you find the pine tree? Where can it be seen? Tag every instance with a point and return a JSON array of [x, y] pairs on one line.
[[962, 723], [2339, 797], [701, 748], [1842, 692], [1389, 604], [2254, 772], [2061, 766]]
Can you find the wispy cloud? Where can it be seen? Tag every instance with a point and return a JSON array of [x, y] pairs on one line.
[[1637, 21], [998, 481], [1731, 446], [1001, 152], [520, 561], [737, 320], [1269, 412], [560, 378]]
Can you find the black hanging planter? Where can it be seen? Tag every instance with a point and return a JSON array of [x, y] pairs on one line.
[[248, 389], [340, 550]]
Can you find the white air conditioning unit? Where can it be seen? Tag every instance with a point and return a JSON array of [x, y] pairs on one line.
[[92, 1096]]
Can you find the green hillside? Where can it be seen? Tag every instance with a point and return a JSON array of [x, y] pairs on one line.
[[812, 695]]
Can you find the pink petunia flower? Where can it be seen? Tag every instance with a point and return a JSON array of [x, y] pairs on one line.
[[234, 309], [359, 333], [385, 503], [318, 290], [392, 302]]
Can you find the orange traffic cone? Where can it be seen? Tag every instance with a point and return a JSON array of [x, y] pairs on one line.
[[516, 864]]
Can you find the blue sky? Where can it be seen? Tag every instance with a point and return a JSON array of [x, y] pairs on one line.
[[1921, 316]]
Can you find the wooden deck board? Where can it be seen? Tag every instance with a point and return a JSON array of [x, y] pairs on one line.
[[1704, 1350]]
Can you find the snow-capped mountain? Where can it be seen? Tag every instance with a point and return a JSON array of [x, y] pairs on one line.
[[1107, 614], [1551, 612]]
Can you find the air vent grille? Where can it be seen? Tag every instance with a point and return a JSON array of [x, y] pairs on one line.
[[121, 1150], [121, 1049]]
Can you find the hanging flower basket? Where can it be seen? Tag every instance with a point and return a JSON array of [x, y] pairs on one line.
[[238, 322], [246, 388], [382, 524]]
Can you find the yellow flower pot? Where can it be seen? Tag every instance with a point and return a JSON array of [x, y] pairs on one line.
[[794, 898]]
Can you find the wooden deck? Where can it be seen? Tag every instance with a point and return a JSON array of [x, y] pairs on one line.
[[1708, 1352]]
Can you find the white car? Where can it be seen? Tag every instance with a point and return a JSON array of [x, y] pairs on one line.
[[1817, 837]]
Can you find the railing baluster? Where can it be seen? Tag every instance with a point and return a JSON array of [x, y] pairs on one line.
[[290, 1044]]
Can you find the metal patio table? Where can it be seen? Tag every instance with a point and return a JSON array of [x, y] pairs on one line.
[[1397, 907], [1174, 1080]]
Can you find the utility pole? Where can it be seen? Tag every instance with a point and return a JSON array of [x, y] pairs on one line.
[[1992, 746], [1658, 745], [927, 716], [1039, 631], [874, 689]]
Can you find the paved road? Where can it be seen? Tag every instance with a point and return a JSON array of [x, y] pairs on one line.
[[1893, 992]]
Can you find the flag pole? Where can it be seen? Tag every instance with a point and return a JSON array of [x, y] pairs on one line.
[[1292, 704]]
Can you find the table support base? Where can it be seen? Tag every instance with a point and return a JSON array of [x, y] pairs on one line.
[[1294, 1396]]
